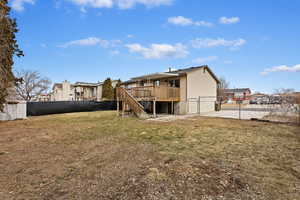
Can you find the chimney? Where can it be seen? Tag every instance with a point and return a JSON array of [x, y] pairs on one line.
[[170, 69]]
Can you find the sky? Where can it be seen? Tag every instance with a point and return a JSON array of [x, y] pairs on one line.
[[252, 44]]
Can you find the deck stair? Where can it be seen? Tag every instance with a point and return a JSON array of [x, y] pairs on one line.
[[130, 104]]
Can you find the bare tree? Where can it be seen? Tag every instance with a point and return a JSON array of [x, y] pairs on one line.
[[296, 101], [224, 84], [284, 91], [288, 108], [32, 85]]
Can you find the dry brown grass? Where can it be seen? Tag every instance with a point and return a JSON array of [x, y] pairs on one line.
[[100, 156]]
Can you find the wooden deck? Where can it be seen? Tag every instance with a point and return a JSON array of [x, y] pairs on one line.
[[157, 93]]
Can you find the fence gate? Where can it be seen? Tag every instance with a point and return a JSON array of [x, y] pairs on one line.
[[193, 106]]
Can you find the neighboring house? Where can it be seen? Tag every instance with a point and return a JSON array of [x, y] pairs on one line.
[[260, 98], [43, 98], [190, 90], [80, 91], [232, 95]]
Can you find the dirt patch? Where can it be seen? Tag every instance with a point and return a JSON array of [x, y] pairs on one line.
[[100, 156], [169, 118], [184, 180]]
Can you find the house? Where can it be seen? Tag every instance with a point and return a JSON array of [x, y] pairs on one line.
[[184, 91], [42, 98], [80, 91], [232, 95]]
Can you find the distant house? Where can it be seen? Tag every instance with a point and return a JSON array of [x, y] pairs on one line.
[[80, 91], [232, 95], [42, 98], [176, 92]]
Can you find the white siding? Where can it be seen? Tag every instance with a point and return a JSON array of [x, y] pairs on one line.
[[200, 83]]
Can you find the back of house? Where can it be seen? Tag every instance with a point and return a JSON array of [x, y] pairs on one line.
[[185, 91]]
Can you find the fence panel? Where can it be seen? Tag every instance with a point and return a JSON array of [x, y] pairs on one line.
[[284, 109], [57, 107]]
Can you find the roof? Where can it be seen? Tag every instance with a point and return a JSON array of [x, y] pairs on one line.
[[237, 90], [189, 69], [156, 76], [172, 74], [59, 85], [86, 84]]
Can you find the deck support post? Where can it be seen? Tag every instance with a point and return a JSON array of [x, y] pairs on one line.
[[154, 108], [123, 108], [172, 107]]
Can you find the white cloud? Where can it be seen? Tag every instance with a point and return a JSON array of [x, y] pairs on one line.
[[114, 52], [209, 42], [83, 10], [122, 4], [94, 3], [231, 20], [43, 45], [180, 21], [282, 68], [159, 51], [130, 36], [92, 41], [228, 62], [18, 5], [183, 21], [126, 4], [205, 59]]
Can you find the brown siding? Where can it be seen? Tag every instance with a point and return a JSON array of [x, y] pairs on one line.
[[183, 88]]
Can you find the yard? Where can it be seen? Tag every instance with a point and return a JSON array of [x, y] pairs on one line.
[[98, 155]]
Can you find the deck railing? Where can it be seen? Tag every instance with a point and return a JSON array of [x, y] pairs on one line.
[[159, 93], [128, 100]]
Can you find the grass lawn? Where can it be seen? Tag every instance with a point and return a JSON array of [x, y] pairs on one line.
[[98, 155]]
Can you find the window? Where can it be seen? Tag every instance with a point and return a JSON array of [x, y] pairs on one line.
[[177, 83], [174, 83], [157, 83]]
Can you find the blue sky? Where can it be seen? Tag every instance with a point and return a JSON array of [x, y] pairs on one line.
[[251, 43]]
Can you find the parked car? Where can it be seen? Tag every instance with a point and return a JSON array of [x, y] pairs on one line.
[[253, 101]]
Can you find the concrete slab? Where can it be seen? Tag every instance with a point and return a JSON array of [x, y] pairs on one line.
[[234, 114]]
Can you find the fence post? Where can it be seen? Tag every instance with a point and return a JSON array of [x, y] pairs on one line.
[[240, 111], [118, 106], [187, 106], [199, 105], [123, 108], [172, 110], [299, 113]]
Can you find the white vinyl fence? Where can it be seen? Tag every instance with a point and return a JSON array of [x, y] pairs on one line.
[[13, 111]]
